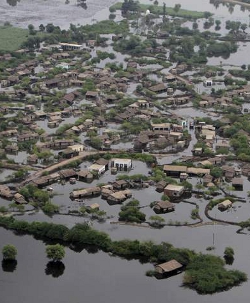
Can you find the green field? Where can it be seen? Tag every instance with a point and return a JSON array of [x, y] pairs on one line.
[[11, 38], [155, 9]]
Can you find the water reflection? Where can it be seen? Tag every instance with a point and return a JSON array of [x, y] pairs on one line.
[[229, 260], [12, 2], [55, 269], [9, 265], [82, 3]]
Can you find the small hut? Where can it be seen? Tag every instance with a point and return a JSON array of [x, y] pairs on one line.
[[163, 207], [224, 205], [168, 268]]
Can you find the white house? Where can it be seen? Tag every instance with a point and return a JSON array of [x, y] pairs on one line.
[[99, 168], [121, 164], [208, 82], [77, 147]]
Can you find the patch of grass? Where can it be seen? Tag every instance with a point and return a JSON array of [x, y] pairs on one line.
[[11, 38], [169, 11]]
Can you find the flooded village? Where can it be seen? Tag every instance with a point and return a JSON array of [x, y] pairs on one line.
[[129, 135]]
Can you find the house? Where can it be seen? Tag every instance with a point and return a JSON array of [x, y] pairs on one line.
[[97, 168], [158, 88], [77, 147], [121, 164], [104, 162], [120, 185], [91, 95], [86, 192], [224, 205], [94, 206], [19, 199], [67, 174], [237, 183], [161, 126], [208, 82], [68, 153], [174, 170], [197, 151], [207, 179], [12, 148], [228, 171], [70, 46], [168, 268], [160, 186], [85, 176], [119, 196], [197, 171], [32, 159], [163, 207], [174, 191], [5, 192]]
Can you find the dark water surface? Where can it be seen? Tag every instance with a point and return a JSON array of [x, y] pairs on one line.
[[99, 277]]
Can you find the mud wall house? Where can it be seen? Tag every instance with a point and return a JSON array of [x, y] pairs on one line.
[[53, 83], [27, 137], [228, 172], [84, 193], [163, 207], [19, 199], [237, 183], [94, 206], [85, 176], [160, 186], [5, 192], [91, 95], [11, 149], [174, 191], [68, 153], [207, 179], [158, 88], [174, 170], [32, 159], [224, 205], [120, 185], [119, 197], [67, 174], [141, 142], [168, 268], [121, 164]]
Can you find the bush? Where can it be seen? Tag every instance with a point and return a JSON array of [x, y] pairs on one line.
[[9, 252], [206, 274], [55, 252], [131, 213]]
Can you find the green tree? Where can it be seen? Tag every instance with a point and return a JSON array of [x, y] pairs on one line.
[[216, 172], [228, 253], [55, 252], [157, 221], [177, 8], [9, 252]]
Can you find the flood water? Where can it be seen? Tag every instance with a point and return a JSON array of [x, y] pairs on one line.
[[98, 277]]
